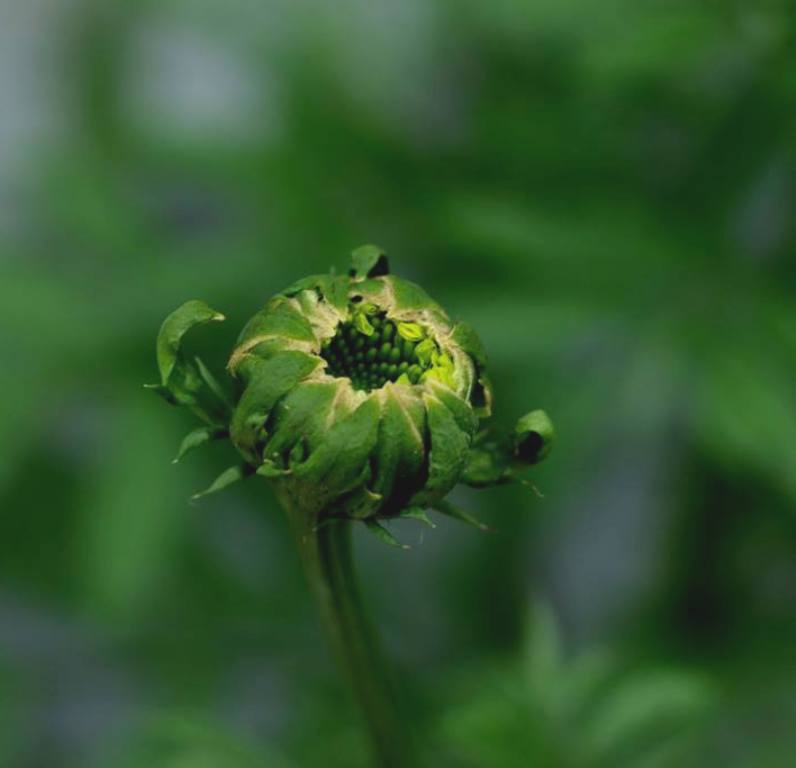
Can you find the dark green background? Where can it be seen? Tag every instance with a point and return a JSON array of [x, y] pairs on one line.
[[606, 190]]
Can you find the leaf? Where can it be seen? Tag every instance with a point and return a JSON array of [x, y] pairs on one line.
[[451, 510], [227, 478], [383, 535], [369, 261], [174, 328], [198, 438]]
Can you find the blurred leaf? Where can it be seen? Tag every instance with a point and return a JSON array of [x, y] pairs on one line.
[[133, 513], [182, 742], [644, 710], [576, 713]]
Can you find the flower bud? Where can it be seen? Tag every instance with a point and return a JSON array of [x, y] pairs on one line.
[[360, 398]]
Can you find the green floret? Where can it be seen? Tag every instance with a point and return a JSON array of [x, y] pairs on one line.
[[372, 350]]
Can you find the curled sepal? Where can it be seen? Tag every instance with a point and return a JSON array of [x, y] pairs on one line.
[[227, 478], [369, 261], [445, 507], [496, 459], [174, 328], [198, 438], [416, 513], [533, 437], [185, 381], [469, 341], [383, 535]]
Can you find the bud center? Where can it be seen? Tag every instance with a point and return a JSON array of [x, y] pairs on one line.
[[372, 359]]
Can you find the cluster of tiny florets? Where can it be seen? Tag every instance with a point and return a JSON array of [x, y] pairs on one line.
[[370, 361]]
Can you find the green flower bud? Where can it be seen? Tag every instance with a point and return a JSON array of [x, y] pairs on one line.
[[495, 459], [533, 437], [359, 397]]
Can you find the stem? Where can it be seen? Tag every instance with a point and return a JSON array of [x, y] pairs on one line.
[[326, 557]]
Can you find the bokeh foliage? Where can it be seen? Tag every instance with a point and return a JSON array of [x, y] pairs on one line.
[[604, 190]]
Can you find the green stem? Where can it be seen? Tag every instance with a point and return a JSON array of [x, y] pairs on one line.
[[326, 556]]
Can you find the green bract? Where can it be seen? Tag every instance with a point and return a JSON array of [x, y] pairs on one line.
[[359, 397]]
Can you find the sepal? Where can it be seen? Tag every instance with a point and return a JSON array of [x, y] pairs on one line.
[[227, 478], [197, 439], [383, 535], [416, 513], [448, 509]]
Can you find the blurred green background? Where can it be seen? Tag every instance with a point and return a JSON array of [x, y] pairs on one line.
[[606, 190]]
